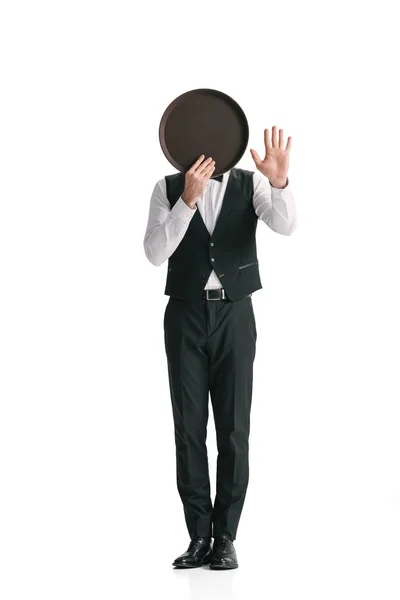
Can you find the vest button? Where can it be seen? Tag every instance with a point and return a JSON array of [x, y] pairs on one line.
[[211, 243], [213, 259]]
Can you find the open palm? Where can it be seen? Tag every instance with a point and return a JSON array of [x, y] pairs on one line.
[[275, 164]]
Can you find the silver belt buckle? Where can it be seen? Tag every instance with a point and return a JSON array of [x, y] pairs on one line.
[[222, 297]]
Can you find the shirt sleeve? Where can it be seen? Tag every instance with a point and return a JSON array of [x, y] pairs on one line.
[[274, 206], [166, 226]]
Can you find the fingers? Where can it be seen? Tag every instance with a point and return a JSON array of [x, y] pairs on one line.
[[204, 165], [199, 165], [281, 138], [267, 140], [275, 142], [209, 171], [255, 156], [196, 164], [274, 137]]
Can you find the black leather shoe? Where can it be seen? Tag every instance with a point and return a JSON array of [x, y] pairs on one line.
[[197, 554], [223, 554]]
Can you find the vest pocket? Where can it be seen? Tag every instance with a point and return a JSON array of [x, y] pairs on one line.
[[248, 265]]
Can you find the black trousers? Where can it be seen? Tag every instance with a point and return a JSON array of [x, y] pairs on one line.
[[210, 347]]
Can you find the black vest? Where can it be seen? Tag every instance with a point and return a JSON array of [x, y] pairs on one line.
[[230, 250]]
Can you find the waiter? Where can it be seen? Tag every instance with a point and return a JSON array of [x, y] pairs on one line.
[[206, 227]]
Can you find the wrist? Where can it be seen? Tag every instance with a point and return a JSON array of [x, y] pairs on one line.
[[191, 202], [278, 183]]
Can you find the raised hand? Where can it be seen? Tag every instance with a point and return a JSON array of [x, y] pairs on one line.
[[275, 164]]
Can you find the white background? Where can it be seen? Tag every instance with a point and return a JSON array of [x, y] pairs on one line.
[[89, 505]]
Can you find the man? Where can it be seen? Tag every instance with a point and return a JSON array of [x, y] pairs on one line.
[[206, 228]]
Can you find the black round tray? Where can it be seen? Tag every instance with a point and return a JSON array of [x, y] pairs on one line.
[[204, 121]]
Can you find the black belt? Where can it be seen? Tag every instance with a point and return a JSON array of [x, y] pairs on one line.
[[216, 294]]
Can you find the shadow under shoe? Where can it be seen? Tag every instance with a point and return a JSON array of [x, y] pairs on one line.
[[197, 554], [223, 554]]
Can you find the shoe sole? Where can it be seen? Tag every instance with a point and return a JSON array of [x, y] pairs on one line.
[[222, 567]]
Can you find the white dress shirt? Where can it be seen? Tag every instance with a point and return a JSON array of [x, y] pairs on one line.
[[166, 227]]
